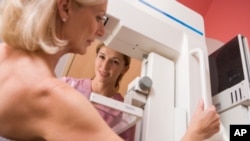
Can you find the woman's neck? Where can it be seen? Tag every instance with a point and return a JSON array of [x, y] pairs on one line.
[[103, 89], [51, 59]]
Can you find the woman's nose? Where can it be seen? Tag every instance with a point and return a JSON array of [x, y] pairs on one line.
[[101, 30], [105, 64]]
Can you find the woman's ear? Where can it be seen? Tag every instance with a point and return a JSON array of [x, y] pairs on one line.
[[63, 9]]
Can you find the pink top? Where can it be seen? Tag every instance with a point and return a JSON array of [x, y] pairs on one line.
[[111, 116]]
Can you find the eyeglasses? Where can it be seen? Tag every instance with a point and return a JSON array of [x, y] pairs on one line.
[[105, 19]]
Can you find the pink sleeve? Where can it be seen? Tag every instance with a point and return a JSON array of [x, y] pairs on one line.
[[81, 85], [69, 80]]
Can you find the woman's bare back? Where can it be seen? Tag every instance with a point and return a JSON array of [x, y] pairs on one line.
[[22, 78]]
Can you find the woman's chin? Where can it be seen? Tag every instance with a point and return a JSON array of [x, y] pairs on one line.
[[82, 53]]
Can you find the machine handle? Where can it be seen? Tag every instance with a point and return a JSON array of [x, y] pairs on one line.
[[222, 134], [200, 54]]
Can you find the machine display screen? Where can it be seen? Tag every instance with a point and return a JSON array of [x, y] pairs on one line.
[[225, 66]]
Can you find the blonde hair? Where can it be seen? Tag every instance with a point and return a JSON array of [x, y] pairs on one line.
[[31, 24]]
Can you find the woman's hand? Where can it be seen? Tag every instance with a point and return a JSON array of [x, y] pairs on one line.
[[204, 123]]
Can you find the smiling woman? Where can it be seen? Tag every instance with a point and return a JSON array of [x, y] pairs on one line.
[[79, 66], [109, 67], [35, 105]]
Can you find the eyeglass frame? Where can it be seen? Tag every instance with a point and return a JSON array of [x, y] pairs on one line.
[[105, 19]]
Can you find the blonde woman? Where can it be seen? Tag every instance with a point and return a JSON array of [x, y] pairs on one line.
[[35, 105]]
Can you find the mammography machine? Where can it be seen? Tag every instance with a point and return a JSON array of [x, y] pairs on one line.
[[169, 40]]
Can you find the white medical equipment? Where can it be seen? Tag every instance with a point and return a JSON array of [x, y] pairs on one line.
[[169, 40], [230, 81]]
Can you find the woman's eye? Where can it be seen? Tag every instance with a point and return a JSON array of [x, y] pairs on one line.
[[102, 19], [101, 57], [115, 62], [99, 18]]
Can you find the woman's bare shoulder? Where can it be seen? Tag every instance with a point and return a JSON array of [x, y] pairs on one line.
[[72, 113], [55, 112]]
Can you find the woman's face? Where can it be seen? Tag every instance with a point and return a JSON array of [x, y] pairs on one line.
[[109, 64], [82, 26]]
